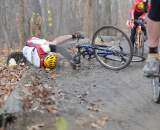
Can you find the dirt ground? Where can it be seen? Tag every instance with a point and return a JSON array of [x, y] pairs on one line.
[[123, 97], [96, 98]]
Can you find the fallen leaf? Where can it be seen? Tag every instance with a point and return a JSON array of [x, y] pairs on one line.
[[53, 75], [94, 107], [35, 127], [94, 125], [102, 121], [51, 109]]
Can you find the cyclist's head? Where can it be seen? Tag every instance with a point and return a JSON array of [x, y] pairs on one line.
[[141, 6], [50, 61]]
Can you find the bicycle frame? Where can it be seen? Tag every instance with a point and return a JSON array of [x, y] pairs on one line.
[[89, 50]]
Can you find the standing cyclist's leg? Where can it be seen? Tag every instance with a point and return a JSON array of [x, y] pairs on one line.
[[145, 32], [153, 25], [132, 37]]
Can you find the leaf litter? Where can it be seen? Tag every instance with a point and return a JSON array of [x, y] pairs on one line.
[[36, 95], [9, 76], [39, 96]]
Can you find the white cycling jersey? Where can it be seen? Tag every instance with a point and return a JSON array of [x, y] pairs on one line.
[[42, 42], [31, 53]]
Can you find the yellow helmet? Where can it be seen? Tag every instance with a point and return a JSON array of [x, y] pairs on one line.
[[50, 61], [140, 6]]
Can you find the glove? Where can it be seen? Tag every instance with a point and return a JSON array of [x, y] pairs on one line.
[[130, 23], [78, 35]]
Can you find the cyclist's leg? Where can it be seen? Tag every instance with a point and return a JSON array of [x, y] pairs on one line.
[[153, 33], [59, 49], [153, 25], [144, 29], [145, 32], [152, 65], [63, 51], [132, 36]]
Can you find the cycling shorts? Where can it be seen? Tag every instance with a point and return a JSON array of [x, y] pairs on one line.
[[154, 13]]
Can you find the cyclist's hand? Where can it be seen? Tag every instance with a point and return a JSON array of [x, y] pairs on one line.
[[78, 35], [130, 23], [132, 20]]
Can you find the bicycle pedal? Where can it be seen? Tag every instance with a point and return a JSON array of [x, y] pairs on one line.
[[76, 67]]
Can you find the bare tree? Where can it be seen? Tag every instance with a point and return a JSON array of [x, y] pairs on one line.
[[20, 23]]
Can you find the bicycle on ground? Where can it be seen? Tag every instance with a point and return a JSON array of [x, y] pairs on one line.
[[110, 46]]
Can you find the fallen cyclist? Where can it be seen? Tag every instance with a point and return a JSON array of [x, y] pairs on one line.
[[43, 53]]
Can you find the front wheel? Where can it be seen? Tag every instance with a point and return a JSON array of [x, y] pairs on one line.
[[112, 47], [156, 89]]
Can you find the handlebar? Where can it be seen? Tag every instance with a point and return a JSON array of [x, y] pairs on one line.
[[139, 21], [131, 23], [78, 35]]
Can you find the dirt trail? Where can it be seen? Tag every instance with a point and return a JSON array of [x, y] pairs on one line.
[[124, 97], [96, 98]]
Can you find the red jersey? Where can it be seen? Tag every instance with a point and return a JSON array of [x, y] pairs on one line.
[[135, 8]]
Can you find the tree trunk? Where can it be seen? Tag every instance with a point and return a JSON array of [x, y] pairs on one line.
[[20, 23]]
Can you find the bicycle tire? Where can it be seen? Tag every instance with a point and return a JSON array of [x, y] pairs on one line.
[[137, 58], [18, 56], [138, 55], [156, 89], [127, 54]]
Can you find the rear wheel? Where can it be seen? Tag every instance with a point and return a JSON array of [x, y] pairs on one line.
[[112, 47], [18, 57]]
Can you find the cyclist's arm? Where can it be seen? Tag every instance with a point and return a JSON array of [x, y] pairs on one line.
[[132, 13], [143, 16], [61, 39], [132, 10], [36, 41]]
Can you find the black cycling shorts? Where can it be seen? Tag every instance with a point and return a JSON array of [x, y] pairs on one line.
[[154, 13]]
